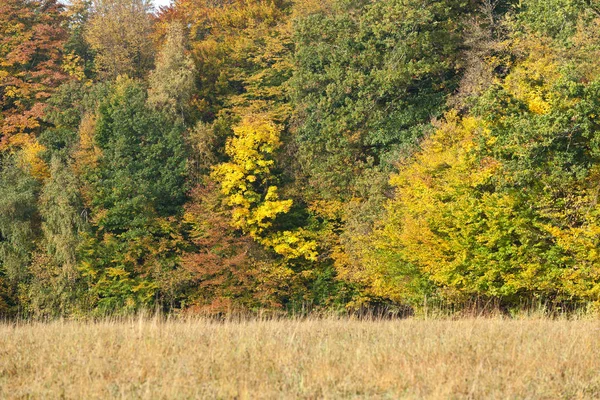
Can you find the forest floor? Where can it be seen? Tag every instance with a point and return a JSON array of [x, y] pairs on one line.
[[315, 358]]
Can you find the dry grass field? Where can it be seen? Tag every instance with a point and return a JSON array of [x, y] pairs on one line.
[[321, 358]]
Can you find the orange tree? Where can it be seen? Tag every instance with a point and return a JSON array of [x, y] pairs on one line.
[[31, 51]]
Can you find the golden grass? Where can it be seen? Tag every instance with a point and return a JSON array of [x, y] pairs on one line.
[[320, 358]]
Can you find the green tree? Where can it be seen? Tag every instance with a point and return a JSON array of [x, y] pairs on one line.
[[62, 213], [141, 171], [19, 227], [369, 77], [55, 287], [138, 188]]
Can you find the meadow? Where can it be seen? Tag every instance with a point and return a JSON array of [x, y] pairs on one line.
[[494, 358]]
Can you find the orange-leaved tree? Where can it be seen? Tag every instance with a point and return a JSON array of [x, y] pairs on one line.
[[32, 36]]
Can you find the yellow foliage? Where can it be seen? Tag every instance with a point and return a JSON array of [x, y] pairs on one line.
[[87, 153], [330, 209], [256, 139], [247, 182], [119, 32], [531, 80], [243, 33], [31, 157], [73, 65], [430, 199], [581, 244], [292, 245]]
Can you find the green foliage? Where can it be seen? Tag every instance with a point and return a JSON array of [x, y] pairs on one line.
[[61, 210], [135, 269], [137, 184], [141, 170], [54, 285], [18, 219], [298, 155], [553, 18], [368, 78]]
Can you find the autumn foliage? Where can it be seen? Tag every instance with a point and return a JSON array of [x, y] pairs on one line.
[[31, 66], [298, 156]]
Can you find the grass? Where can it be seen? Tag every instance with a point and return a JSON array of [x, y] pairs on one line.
[[314, 358]]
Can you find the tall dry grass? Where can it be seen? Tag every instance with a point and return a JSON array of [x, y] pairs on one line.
[[319, 358]]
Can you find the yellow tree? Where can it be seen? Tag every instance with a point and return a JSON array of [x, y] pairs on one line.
[[172, 83], [119, 33], [248, 183], [242, 50]]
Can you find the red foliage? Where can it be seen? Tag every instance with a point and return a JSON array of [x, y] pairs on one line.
[[223, 262], [32, 35]]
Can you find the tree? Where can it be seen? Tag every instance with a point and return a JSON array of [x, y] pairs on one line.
[[226, 266], [241, 49], [55, 287], [79, 59], [248, 183], [172, 83], [502, 205], [31, 52], [137, 189], [118, 31], [141, 171], [19, 228], [554, 18], [61, 213], [369, 77]]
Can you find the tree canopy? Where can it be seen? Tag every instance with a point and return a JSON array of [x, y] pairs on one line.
[[298, 156]]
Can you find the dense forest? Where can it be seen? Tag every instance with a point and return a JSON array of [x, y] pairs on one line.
[[294, 155]]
